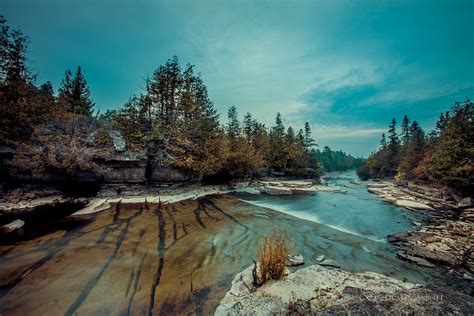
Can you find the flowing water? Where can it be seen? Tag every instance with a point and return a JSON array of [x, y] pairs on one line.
[[181, 258]]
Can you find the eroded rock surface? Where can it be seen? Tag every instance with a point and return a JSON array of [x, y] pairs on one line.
[[319, 290]]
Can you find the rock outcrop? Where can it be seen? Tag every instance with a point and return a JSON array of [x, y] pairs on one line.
[[316, 289], [444, 239], [94, 206], [411, 196]]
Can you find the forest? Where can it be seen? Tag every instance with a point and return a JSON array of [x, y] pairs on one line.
[[444, 155], [172, 123]]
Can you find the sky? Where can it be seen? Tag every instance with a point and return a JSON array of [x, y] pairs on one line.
[[347, 67]]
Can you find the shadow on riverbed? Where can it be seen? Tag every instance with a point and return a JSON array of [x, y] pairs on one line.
[[181, 258]]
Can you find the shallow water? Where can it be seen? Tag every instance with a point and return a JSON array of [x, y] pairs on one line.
[[181, 258], [354, 211]]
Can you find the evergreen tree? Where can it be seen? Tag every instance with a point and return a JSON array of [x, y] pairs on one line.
[[19, 113], [405, 130], [452, 162], [75, 93], [290, 135], [65, 89], [278, 130], [383, 142], [47, 90], [308, 141], [279, 154], [393, 148], [301, 137], [413, 152], [81, 99], [233, 125], [248, 124]]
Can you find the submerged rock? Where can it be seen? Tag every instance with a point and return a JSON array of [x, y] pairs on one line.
[[295, 260], [319, 258]]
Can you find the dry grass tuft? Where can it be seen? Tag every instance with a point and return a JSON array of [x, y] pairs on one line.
[[272, 253]]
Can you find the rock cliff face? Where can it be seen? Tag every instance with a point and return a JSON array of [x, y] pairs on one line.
[[169, 175], [327, 291], [121, 169]]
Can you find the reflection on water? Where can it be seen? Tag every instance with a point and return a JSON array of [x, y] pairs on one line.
[[181, 258]]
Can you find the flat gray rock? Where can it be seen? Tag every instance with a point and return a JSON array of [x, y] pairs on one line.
[[8, 228], [297, 260], [329, 263]]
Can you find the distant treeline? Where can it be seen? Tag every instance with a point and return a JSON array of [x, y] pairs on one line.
[[332, 161], [445, 155]]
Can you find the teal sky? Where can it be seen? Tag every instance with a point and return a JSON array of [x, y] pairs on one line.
[[347, 67]]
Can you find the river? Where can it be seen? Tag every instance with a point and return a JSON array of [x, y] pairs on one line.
[[181, 258]]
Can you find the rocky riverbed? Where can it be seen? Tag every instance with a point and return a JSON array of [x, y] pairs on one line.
[[444, 238], [21, 204]]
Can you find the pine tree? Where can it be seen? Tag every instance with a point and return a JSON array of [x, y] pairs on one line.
[[65, 89], [18, 110], [75, 93], [4, 48], [279, 154], [413, 152], [290, 135], [301, 137], [47, 90], [248, 124], [81, 99], [383, 142], [393, 148], [308, 141], [233, 125], [278, 130], [452, 162], [405, 130]]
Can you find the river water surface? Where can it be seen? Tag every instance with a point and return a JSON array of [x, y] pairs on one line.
[[181, 258]]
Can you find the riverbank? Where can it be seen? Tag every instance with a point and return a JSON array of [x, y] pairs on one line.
[[20, 205], [444, 238]]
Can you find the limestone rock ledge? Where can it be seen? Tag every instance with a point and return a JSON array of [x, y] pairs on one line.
[[319, 290]]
